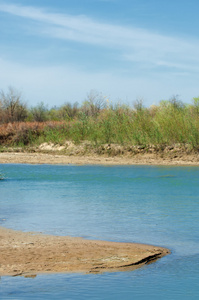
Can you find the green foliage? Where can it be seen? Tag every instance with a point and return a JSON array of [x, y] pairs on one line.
[[39, 113], [170, 122], [68, 111], [196, 105], [12, 108]]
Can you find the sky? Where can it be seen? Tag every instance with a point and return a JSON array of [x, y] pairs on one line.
[[126, 50]]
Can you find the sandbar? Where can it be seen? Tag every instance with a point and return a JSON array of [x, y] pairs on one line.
[[29, 254]]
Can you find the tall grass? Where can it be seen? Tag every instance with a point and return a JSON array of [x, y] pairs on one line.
[[168, 123]]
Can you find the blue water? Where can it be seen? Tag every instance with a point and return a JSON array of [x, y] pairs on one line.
[[146, 204]]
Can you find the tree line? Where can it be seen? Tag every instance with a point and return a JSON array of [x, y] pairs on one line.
[[98, 121], [14, 109]]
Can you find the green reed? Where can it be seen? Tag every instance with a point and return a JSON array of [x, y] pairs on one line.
[[170, 122]]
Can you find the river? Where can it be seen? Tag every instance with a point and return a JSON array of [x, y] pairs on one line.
[[156, 205]]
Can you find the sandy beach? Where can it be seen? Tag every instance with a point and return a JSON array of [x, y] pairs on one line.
[[29, 254], [139, 159]]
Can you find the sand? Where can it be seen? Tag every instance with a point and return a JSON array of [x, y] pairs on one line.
[[29, 254], [139, 159]]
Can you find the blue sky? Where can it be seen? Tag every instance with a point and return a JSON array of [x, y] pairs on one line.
[[58, 51]]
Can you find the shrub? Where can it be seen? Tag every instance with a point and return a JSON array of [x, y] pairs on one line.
[[12, 109]]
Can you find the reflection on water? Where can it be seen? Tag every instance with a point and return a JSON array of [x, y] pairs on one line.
[[155, 205]]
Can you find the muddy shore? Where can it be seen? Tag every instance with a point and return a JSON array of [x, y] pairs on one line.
[[139, 159], [29, 254]]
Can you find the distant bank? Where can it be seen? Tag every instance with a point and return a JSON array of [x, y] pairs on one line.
[[107, 155]]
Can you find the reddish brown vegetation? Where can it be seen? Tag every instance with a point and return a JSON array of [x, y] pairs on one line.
[[13, 132]]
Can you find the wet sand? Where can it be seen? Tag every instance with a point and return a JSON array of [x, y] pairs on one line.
[[139, 159], [29, 254]]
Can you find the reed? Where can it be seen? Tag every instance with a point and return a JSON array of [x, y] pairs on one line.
[[170, 122]]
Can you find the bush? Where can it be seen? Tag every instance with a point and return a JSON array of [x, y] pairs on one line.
[[12, 109], [170, 122]]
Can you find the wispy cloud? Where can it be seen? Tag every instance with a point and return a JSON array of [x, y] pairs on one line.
[[133, 44], [136, 63]]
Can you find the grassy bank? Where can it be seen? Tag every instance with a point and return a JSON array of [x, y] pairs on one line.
[[167, 124]]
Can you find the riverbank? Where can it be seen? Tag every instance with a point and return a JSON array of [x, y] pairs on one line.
[[138, 159], [29, 254]]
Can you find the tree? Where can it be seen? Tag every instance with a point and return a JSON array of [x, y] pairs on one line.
[[94, 104], [138, 105], [68, 111], [176, 103], [12, 108], [40, 112]]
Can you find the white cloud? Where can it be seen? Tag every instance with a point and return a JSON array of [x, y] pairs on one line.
[[145, 52], [134, 44]]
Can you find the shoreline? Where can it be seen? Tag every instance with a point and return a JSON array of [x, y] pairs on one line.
[[139, 159], [29, 254]]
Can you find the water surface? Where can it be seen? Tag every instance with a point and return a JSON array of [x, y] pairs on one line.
[[145, 204]]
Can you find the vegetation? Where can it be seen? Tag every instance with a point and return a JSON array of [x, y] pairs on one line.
[[99, 122]]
